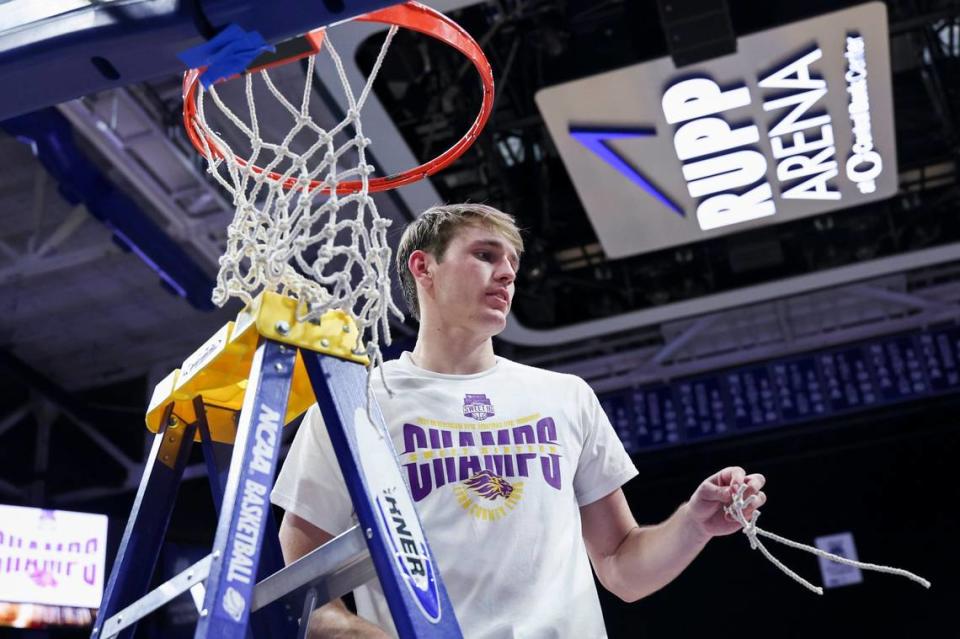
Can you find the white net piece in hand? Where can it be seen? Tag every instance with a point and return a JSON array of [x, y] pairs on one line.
[[326, 250], [751, 530]]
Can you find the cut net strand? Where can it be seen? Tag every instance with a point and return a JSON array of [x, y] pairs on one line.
[[292, 232], [752, 531]]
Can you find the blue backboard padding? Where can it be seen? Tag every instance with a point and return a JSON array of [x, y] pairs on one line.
[[49, 61]]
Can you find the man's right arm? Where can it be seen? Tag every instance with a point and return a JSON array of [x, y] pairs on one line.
[[332, 620]]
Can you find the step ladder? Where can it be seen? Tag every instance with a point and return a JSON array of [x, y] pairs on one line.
[[234, 395]]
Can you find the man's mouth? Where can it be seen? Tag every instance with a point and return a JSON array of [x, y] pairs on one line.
[[500, 294]]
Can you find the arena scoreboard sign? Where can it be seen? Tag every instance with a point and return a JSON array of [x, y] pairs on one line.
[[799, 121]]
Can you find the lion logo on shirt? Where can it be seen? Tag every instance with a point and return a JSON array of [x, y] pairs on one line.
[[489, 485]]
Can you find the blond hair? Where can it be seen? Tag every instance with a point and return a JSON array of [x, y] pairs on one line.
[[433, 231]]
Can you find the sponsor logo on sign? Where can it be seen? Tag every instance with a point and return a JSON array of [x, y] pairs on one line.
[[864, 164]]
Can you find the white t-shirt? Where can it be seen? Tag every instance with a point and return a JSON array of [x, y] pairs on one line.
[[499, 464]]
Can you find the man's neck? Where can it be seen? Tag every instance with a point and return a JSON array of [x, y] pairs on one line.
[[452, 352]]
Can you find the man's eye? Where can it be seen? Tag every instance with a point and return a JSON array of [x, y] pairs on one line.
[[483, 255]]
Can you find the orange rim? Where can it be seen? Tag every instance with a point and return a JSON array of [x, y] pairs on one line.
[[409, 15]]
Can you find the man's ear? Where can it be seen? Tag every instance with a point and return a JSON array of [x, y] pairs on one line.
[[419, 264]]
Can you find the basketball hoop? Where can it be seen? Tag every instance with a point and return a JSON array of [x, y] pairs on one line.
[[409, 15], [287, 235]]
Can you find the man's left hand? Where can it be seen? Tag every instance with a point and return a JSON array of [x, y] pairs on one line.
[[705, 507]]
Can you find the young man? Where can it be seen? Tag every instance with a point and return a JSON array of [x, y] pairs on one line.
[[515, 471]]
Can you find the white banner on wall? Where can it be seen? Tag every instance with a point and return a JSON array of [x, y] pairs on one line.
[[799, 121], [52, 557]]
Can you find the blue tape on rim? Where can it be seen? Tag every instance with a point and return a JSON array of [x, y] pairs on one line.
[[229, 53]]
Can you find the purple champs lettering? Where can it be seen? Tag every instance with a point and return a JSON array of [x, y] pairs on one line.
[[420, 483], [469, 464], [524, 435], [500, 464], [438, 457], [547, 434], [444, 468]]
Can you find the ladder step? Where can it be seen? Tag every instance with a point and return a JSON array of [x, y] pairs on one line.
[[159, 596], [333, 569]]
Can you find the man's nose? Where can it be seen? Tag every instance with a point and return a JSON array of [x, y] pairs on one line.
[[505, 272]]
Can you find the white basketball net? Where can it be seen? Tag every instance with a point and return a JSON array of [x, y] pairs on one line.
[[291, 240]]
